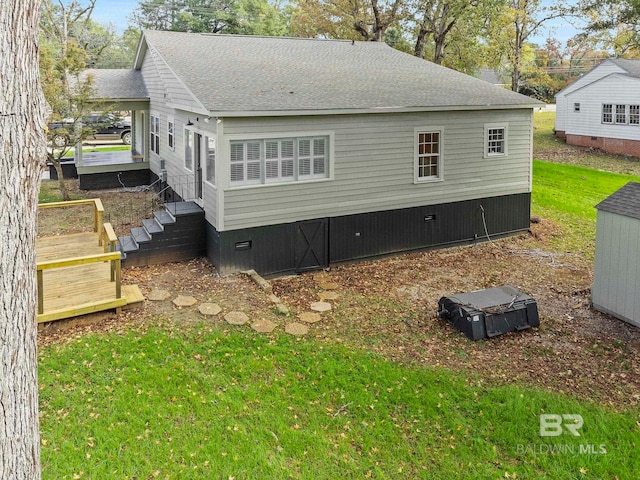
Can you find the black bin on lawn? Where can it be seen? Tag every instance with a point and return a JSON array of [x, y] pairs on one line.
[[490, 312]]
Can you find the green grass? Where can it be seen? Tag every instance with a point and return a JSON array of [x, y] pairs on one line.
[[93, 148], [200, 403], [543, 137], [567, 194]]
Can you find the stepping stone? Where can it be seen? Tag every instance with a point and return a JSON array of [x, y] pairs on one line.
[[159, 295], [209, 308], [320, 306], [274, 299], [329, 296], [263, 326], [236, 318], [184, 301], [328, 285], [296, 329], [282, 309], [309, 317]]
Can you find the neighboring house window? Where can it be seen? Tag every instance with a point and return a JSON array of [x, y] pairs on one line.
[[188, 149], [495, 140], [155, 134], [576, 107], [171, 138], [607, 113], [211, 159], [621, 114], [428, 160], [279, 160], [634, 114]]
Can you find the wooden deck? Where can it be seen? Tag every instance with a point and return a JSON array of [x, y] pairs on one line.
[[79, 274]]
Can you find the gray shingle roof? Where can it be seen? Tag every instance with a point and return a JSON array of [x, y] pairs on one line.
[[625, 201], [235, 73], [490, 75], [631, 66], [118, 83]]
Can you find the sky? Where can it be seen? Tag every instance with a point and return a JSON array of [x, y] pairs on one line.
[[117, 13]]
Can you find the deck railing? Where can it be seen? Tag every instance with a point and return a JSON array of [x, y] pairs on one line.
[[98, 210], [108, 240]]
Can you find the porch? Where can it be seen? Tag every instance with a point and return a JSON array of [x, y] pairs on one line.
[[80, 273]]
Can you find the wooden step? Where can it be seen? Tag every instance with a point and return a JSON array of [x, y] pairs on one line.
[[133, 295]]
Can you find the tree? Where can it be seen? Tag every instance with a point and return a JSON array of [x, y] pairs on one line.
[[347, 19], [22, 122], [62, 60], [249, 17], [510, 35]]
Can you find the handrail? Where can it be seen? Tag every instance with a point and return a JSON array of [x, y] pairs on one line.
[[109, 237], [98, 210], [113, 257]]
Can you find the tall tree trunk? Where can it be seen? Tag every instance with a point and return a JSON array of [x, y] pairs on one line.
[[22, 151]]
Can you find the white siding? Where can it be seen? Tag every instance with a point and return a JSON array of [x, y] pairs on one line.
[[373, 165], [617, 267], [564, 107], [615, 89], [165, 93]]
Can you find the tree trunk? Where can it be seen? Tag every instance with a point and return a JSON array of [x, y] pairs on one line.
[[62, 185], [22, 151]]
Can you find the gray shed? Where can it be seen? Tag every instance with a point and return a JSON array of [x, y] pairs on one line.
[[616, 279]]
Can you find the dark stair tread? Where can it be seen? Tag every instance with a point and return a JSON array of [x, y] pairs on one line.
[[178, 209], [152, 226], [164, 218], [127, 245], [140, 235]]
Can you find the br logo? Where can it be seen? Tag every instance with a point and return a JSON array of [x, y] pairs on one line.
[[552, 424]]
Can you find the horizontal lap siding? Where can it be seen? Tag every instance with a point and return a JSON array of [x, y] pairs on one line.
[[165, 90], [374, 161], [588, 121]]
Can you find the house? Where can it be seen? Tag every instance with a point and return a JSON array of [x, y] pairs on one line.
[[306, 152], [616, 277], [602, 108]]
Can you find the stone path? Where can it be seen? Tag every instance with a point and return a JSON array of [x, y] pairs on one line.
[[297, 328]]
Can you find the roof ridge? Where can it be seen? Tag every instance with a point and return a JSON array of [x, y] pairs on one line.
[[271, 37]]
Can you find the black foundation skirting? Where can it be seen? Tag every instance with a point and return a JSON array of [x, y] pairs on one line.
[[314, 244]]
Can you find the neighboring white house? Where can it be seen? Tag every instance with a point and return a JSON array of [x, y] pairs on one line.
[[304, 152], [616, 276], [602, 108]]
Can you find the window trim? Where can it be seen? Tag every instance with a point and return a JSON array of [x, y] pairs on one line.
[[609, 112], [505, 140], [622, 115], [416, 154], [280, 136], [187, 132], [635, 116], [154, 133], [171, 133], [210, 173]]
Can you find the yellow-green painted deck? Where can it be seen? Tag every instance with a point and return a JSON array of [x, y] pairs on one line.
[[86, 287]]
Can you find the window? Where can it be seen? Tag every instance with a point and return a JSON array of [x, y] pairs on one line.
[[170, 134], [621, 114], [576, 107], [278, 160], [607, 113], [634, 114], [495, 140], [428, 155], [155, 134], [210, 144], [188, 149]]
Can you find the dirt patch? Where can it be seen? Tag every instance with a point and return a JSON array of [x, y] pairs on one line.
[[388, 306]]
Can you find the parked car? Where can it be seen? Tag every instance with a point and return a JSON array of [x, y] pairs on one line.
[[103, 127]]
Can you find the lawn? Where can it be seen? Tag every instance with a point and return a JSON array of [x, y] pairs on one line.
[[172, 397], [209, 403]]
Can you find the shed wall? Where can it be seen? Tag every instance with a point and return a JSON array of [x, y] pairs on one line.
[[617, 267]]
